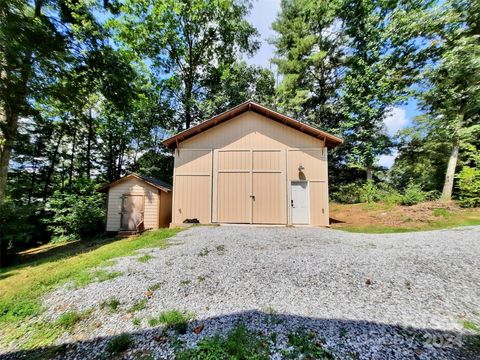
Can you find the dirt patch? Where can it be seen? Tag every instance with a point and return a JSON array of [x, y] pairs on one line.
[[416, 216]]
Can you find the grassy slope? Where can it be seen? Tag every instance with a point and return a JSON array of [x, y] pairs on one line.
[[370, 218], [22, 286]]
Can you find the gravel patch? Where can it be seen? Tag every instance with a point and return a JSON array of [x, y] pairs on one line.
[[395, 296]]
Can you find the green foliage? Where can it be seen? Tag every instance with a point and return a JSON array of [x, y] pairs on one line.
[[368, 192], [112, 305], [307, 345], [139, 305], [119, 343], [172, 319], [17, 229], [75, 215], [239, 343], [347, 194], [413, 195], [441, 212], [186, 43], [69, 319], [469, 186]]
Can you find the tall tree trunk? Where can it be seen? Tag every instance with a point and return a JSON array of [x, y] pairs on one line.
[[188, 101], [450, 174], [369, 172], [53, 163], [89, 143], [72, 158], [10, 131]]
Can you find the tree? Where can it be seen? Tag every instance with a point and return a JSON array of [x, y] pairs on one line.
[[310, 56], [452, 91], [185, 41], [233, 84], [30, 50]]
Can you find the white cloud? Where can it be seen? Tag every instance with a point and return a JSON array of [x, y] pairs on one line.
[[395, 120]]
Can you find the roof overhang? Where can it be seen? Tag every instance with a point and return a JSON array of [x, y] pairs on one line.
[[330, 140], [130, 176]]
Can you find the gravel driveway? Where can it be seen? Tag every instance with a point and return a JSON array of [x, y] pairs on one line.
[[398, 296]]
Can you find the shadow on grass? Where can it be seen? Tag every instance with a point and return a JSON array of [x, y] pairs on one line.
[[53, 252], [343, 339]]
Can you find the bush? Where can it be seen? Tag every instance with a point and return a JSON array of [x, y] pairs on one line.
[[348, 194], [119, 343], [469, 187], [413, 195], [173, 319], [240, 343], [75, 215], [69, 319], [17, 227]]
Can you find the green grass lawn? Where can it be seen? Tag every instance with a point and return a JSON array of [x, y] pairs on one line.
[[22, 286], [367, 218]]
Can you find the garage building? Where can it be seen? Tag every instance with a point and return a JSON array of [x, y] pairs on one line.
[[251, 165]]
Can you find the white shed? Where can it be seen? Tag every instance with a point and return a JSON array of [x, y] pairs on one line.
[[137, 203]]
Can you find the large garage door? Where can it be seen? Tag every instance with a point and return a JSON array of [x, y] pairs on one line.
[[250, 187]]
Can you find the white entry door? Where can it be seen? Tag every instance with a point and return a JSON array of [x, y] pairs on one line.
[[299, 202]]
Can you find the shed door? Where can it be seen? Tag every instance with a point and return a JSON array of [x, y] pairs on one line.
[[132, 211], [299, 202]]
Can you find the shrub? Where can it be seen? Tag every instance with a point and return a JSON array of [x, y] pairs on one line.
[[413, 195], [305, 344], [240, 343], [75, 214], [469, 187], [112, 305], [119, 343], [17, 227], [69, 319], [369, 192], [172, 319], [348, 194]]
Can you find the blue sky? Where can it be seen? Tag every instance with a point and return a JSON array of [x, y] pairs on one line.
[[263, 14]]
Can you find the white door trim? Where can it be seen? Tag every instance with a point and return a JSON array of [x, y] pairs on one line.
[[308, 202]]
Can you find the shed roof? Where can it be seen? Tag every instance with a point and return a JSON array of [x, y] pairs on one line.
[[331, 141], [159, 184]]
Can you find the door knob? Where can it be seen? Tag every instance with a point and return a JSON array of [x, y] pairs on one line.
[[291, 202]]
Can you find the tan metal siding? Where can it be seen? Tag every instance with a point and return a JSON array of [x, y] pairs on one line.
[[165, 209], [192, 185], [251, 131], [269, 203], [233, 197], [132, 187], [192, 199], [217, 171], [318, 203], [314, 162], [234, 160]]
